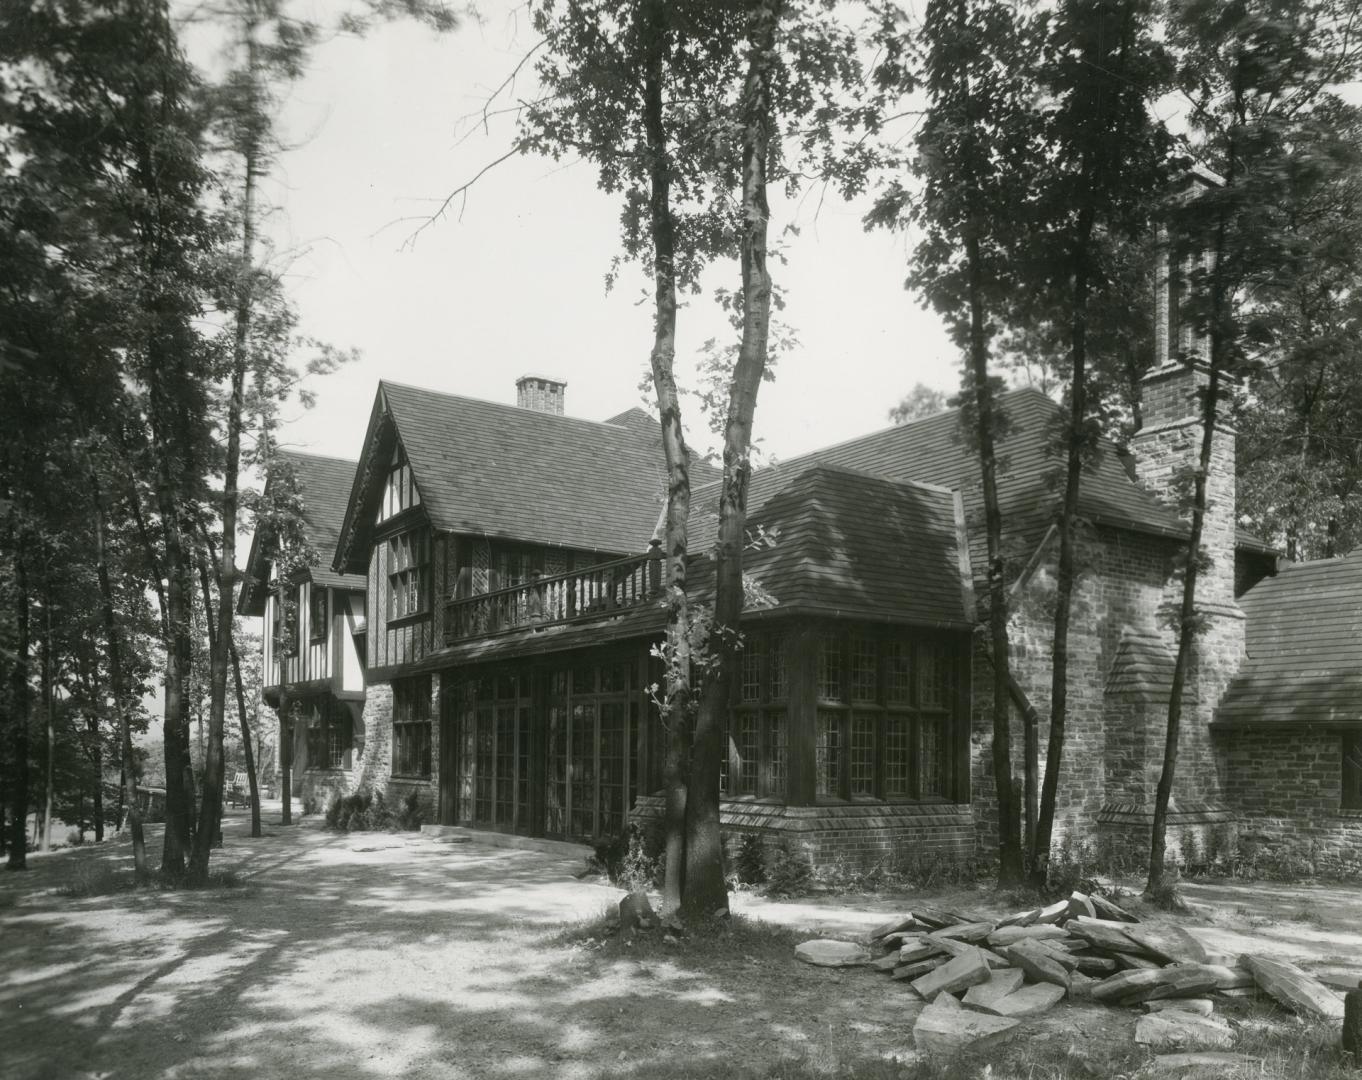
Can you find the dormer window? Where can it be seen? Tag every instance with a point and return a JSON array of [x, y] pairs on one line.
[[400, 492]]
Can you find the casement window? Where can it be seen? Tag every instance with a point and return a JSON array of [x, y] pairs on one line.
[[1352, 771], [408, 574], [411, 726], [756, 761], [317, 610], [399, 493], [883, 724], [329, 735]]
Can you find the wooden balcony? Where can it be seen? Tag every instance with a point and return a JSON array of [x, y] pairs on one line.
[[595, 592]]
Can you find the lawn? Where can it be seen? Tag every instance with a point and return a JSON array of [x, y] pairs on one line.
[[375, 955]]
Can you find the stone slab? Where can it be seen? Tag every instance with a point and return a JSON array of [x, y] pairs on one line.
[[824, 952], [943, 1028], [1030, 1000], [1293, 988], [1176, 1029], [1000, 983]]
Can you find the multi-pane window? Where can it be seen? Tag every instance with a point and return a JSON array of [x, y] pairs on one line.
[[755, 760], [400, 491], [883, 726], [408, 571], [1352, 771], [329, 735], [316, 613], [411, 726]]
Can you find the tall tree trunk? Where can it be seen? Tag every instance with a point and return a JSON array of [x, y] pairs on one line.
[[19, 699], [677, 692], [116, 686], [1009, 845], [45, 842], [246, 738], [1068, 524], [210, 807], [97, 795], [706, 891], [178, 838], [285, 760]]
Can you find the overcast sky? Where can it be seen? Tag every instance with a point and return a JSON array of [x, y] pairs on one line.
[[517, 284]]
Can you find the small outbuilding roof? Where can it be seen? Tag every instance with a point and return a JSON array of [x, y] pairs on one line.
[[1304, 648]]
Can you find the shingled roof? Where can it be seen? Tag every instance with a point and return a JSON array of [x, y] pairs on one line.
[[324, 485], [1304, 643], [489, 469], [846, 543], [930, 450]]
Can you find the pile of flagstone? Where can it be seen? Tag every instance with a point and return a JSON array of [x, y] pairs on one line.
[[981, 978]]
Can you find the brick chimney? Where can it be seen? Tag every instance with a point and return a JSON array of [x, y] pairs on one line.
[[543, 393]]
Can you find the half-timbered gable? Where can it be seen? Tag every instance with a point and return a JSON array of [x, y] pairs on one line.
[[314, 623]]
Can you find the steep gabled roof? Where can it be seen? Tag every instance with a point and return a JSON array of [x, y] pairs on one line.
[[489, 469], [324, 485], [1304, 643]]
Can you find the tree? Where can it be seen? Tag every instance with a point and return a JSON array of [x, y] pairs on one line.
[[1105, 164], [922, 400], [976, 151], [1260, 75]]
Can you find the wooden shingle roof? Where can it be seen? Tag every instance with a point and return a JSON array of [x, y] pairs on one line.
[[845, 543], [324, 486], [488, 469], [1304, 648]]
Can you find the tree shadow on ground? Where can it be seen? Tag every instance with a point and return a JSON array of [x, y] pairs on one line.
[[374, 955]]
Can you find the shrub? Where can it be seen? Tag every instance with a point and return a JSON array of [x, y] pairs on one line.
[[790, 871], [751, 860], [412, 815], [364, 811], [74, 838], [310, 804], [632, 859]]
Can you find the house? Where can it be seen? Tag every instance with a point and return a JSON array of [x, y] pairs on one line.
[[510, 570], [314, 627]]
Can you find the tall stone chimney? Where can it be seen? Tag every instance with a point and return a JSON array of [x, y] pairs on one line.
[[543, 393]]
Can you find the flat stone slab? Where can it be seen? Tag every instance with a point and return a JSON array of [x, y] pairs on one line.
[[1175, 1029], [943, 1027], [1200, 1006], [1205, 1060], [1000, 983], [954, 977], [1295, 989], [1030, 1000], [823, 952], [1010, 935]]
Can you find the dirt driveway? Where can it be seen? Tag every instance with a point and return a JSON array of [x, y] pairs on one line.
[[374, 955]]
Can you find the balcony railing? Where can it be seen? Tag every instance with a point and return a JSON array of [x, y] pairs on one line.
[[594, 592]]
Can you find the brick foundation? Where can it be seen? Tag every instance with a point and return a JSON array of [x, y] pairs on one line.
[[861, 835]]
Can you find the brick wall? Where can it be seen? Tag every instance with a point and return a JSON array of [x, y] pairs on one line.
[[861, 835], [1286, 788]]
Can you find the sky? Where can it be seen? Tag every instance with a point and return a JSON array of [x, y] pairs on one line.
[[379, 131]]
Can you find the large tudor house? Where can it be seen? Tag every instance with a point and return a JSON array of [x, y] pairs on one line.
[[508, 563]]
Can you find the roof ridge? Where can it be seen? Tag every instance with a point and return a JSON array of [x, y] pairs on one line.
[[518, 410], [907, 482], [315, 456]]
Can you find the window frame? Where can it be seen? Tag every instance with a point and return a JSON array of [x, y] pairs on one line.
[[399, 489], [412, 720], [415, 569], [289, 628], [760, 710], [840, 722], [331, 739]]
